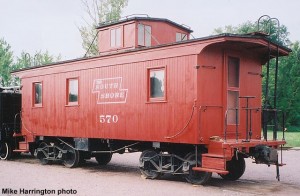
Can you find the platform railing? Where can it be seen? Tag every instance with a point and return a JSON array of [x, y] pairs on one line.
[[267, 121], [271, 119]]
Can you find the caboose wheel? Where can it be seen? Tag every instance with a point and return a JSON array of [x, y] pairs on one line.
[[236, 168], [5, 151], [196, 177], [103, 159], [148, 160], [43, 152], [71, 159]]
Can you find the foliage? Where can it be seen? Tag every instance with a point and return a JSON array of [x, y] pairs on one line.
[[289, 86], [98, 11], [244, 28], [26, 60], [7, 63], [270, 28], [6, 59], [39, 58]]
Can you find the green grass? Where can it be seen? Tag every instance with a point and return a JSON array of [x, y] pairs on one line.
[[292, 138]]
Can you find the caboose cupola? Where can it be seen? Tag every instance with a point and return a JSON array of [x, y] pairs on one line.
[[137, 32]]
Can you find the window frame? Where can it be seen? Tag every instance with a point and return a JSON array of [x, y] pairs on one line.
[[233, 88], [156, 99], [34, 104], [182, 35], [68, 102], [144, 35], [113, 44]]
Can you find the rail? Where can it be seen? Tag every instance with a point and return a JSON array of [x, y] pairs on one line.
[[237, 122], [21, 122], [269, 120], [17, 130]]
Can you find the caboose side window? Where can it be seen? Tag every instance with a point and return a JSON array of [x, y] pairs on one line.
[[72, 91], [181, 37], [144, 35], [37, 94], [233, 90], [157, 84], [115, 37]]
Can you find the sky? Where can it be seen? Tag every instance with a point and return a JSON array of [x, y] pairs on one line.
[[40, 25]]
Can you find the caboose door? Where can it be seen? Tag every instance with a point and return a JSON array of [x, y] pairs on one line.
[[233, 92]]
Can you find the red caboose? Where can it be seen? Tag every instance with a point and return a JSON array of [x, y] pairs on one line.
[[192, 107]]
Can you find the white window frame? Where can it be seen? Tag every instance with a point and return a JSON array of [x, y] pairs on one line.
[[115, 37], [144, 35], [69, 102], [181, 37]]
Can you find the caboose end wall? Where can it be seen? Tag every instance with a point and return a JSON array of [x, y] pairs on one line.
[[228, 74]]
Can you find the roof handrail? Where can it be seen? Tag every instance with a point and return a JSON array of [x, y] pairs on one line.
[[258, 21], [134, 15]]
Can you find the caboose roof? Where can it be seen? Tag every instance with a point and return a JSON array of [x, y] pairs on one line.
[[111, 23], [261, 43]]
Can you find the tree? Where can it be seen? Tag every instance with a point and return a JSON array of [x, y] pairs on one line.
[[276, 34], [26, 60], [289, 86], [6, 59], [39, 58], [98, 11]]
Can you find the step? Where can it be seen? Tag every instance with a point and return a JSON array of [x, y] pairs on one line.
[[210, 170], [218, 163], [23, 145]]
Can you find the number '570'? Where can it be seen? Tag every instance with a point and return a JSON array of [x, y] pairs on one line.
[[109, 118]]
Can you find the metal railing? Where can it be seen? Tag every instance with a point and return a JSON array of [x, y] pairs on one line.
[[271, 118]]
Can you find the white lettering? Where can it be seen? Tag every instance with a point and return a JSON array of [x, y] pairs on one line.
[[112, 95], [108, 119], [115, 118], [110, 90], [102, 118]]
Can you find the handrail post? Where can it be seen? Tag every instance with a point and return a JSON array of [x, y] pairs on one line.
[[250, 130], [236, 125], [225, 128], [247, 113]]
